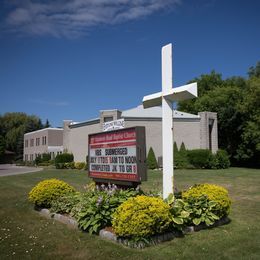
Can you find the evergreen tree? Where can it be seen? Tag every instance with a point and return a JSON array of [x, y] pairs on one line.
[[151, 159], [180, 157], [175, 148], [47, 124], [183, 148], [40, 125]]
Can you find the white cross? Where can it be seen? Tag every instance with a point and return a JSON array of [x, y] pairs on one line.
[[166, 98]]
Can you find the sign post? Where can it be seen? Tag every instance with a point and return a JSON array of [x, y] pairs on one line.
[[118, 156], [166, 98]]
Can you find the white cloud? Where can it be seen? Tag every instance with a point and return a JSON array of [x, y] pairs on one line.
[[72, 18]]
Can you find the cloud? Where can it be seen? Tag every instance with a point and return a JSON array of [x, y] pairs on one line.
[[50, 103], [73, 18]]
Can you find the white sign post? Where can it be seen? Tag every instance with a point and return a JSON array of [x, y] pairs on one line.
[[166, 98]]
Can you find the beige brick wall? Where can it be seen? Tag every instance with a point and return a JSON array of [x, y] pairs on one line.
[[192, 132], [77, 140], [187, 132], [206, 118], [54, 137]]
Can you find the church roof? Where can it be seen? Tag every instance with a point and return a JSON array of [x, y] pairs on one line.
[[154, 112], [138, 113]]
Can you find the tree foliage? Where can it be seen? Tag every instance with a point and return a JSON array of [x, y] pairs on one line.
[[236, 100], [13, 126], [151, 159]]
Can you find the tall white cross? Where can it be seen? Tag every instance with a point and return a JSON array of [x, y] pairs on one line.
[[166, 98]]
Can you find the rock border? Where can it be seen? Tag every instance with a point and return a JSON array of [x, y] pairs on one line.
[[154, 240], [220, 222], [67, 220]]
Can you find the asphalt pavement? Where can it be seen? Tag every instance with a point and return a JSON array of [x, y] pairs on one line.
[[11, 169]]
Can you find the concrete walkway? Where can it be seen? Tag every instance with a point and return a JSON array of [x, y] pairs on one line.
[[11, 169]]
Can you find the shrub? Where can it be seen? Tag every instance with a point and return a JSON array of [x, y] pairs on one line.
[[141, 217], [80, 165], [44, 164], [69, 165], [179, 212], [201, 158], [180, 157], [175, 148], [214, 193], [63, 158], [48, 190], [193, 211], [151, 159], [222, 159], [201, 210], [95, 209], [43, 158], [66, 203]]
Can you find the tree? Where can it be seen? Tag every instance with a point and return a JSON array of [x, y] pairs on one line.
[[206, 83], [13, 126], [40, 125], [180, 156], [249, 148], [254, 71], [47, 124], [2, 145], [183, 148], [151, 159], [236, 100]]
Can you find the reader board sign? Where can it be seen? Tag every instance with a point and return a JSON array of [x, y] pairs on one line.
[[118, 155]]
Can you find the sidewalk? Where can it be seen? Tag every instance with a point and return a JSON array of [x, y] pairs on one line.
[[11, 169]]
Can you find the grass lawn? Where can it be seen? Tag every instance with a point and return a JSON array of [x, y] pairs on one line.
[[24, 234]]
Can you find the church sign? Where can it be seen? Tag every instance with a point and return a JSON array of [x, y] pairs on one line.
[[118, 156], [114, 125]]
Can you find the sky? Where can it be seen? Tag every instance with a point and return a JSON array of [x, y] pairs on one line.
[[69, 59]]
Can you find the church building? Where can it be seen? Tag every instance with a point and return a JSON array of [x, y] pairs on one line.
[[195, 131]]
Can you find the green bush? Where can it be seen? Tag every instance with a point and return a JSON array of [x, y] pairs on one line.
[[193, 211], [201, 158], [66, 203], [80, 165], [222, 159], [48, 190], [44, 164], [180, 157], [43, 158], [151, 159], [214, 193], [95, 208], [63, 158], [201, 210], [69, 165], [141, 217]]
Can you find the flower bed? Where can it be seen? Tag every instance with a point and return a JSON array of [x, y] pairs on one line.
[[134, 219]]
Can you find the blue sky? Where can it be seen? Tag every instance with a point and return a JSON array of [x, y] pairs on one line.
[[69, 59]]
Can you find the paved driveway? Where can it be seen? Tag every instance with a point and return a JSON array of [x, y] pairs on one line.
[[10, 169]]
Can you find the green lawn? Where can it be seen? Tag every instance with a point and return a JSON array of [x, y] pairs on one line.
[[24, 234]]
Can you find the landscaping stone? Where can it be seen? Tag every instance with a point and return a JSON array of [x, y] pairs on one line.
[[68, 220], [107, 235], [156, 239], [45, 212], [219, 222]]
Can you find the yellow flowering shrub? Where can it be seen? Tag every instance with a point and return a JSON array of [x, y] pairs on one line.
[[141, 216], [214, 193], [48, 190], [80, 165]]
